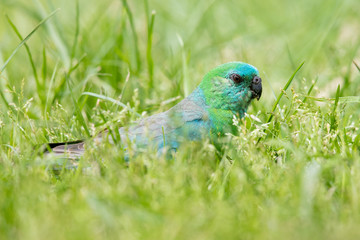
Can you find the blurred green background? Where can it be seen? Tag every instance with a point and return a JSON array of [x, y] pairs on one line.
[[274, 36], [301, 182]]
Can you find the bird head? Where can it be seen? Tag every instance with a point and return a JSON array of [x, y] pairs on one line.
[[231, 86]]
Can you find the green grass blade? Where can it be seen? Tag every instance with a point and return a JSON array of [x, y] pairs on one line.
[[79, 115], [27, 50], [347, 99], [337, 98], [17, 49], [333, 122], [111, 100], [185, 78], [125, 85], [52, 80], [77, 30], [132, 26], [39, 87], [4, 99], [44, 65], [357, 66], [149, 58], [56, 36], [311, 88], [288, 83], [282, 92], [26, 39]]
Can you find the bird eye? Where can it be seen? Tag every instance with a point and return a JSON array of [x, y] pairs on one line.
[[236, 78]]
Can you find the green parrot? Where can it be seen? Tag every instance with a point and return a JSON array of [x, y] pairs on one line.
[[207, 112]]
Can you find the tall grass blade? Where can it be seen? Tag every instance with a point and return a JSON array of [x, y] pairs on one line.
[[77, 30], [78, 112], [52, 80], [132, 26], [310, 89], [357, 66], [184, 67], [44, 65], [56, 37], [111, 100], [26, 39], [17, 49], [149, 58], [125, 85], [282, 92], [288, 83], [27, 50], [347, 99], [333, 122]]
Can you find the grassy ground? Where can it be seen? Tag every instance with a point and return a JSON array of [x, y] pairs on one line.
[[296, 177]]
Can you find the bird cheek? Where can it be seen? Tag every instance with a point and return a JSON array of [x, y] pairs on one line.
[[249, 94], [242, 95]]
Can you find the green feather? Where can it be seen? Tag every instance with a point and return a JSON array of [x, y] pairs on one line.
[[225, 98]]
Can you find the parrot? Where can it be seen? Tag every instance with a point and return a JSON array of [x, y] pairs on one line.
[[208, 112]]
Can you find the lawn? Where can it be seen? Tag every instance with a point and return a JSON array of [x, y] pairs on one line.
[[70, 69]]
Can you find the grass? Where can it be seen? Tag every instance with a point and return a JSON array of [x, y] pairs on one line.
[[292, 172]]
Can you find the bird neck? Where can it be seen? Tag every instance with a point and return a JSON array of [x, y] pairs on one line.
[[198, 97], [221, 120]]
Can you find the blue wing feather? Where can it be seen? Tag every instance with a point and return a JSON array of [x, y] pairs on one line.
[[187, 121]]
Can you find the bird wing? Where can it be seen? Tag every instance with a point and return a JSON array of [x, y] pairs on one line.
[[167, 123], [148, 130]]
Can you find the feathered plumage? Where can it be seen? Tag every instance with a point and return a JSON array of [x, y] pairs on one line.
[[207, 112]]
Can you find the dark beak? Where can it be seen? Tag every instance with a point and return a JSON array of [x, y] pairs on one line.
[[256, 87]]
